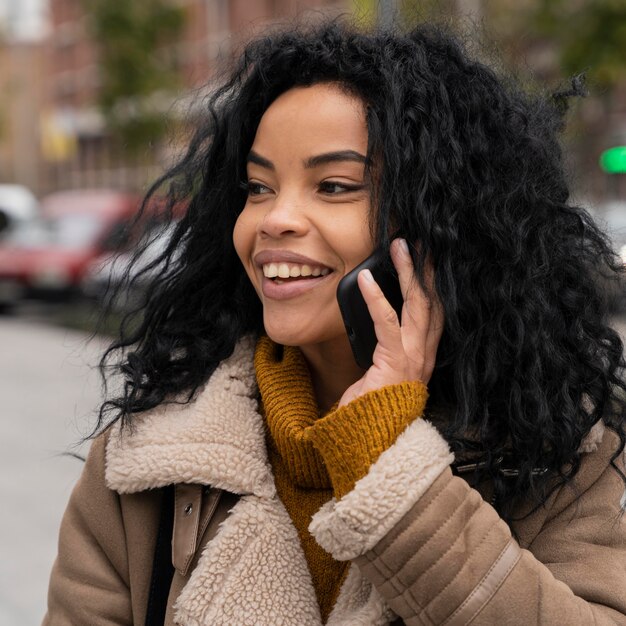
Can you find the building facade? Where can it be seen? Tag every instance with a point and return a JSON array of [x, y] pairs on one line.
[[77, 150], [21, 95], [53, 134]]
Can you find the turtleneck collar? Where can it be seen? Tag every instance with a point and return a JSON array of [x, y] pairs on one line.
[[290, 409]]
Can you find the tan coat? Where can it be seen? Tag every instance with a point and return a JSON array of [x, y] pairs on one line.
[[423, 544]]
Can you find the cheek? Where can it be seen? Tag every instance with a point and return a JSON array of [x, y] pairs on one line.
[[243, 237], [358, 242], [366, 246]]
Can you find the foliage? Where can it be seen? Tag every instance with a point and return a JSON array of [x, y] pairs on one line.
[[138, 64], [368, 12], [586, 35], [412, 10], [590, 36]]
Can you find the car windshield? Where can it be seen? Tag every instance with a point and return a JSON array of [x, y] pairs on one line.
[[70, 232]]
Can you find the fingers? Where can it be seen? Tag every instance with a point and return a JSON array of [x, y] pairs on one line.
[[409, 348], [386, 323], [416, 308], [404, 265], [422, 313], [409, 285]]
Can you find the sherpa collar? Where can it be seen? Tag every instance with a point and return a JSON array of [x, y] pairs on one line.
[[218, 439]]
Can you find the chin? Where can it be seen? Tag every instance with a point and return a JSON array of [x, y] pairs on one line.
[[286, 336], [304, 333]]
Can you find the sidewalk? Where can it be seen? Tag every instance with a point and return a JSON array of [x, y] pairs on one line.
[[49, 392]]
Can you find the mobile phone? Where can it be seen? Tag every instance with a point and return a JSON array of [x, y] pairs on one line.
[[356, 317]]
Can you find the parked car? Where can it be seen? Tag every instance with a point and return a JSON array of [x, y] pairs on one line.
[[17, 204], [46, 257], [115, 280]]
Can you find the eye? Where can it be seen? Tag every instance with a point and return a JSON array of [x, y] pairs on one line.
[[255, 189], [331, 187]]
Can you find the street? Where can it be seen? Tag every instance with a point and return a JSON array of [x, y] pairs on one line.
[[49, 390]]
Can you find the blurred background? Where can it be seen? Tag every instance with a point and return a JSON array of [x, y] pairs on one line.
[[97, 97]]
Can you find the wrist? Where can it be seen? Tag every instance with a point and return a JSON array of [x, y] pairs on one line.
[[352, 438]]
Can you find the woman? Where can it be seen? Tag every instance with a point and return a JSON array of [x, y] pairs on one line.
[[252, 473]]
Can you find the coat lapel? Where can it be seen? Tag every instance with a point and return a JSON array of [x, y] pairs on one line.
[[253, 572], [218, 439]]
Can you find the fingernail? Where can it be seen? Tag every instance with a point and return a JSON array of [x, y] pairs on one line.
[[404, 246], [367, 275]]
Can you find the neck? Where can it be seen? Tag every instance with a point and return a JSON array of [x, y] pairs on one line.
[[333, 369]]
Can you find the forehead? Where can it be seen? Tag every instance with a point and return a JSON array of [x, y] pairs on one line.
[[314, 119]]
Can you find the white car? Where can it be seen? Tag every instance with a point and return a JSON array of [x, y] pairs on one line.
[[17, 204], [108, 276]]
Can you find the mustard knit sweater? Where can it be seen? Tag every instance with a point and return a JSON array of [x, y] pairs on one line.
[[314, 458]]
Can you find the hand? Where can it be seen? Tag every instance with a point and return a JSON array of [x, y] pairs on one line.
[[407, 351]]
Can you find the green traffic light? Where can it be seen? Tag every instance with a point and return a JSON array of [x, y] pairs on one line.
[[613, 160]]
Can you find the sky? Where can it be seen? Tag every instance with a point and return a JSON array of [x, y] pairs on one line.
[[26, 17]]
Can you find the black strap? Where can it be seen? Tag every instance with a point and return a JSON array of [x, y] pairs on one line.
[[162, 568]]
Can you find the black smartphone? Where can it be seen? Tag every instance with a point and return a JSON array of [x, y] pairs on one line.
[[356, 317]]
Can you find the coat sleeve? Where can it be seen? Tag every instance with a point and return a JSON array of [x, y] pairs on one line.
[[89, 583], [439, 554]]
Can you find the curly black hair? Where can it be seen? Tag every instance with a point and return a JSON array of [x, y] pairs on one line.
[[469, 165]]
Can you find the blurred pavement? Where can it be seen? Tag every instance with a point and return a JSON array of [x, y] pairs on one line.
[[49, 392]]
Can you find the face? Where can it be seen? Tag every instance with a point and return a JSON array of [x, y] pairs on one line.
[[305, 222]]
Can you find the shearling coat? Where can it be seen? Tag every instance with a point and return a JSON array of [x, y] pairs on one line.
[[423, 544]]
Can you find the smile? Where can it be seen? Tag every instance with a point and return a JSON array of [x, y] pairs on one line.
[[292, 270], [285, 288]]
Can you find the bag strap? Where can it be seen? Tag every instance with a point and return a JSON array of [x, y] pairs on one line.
[[162, 568]]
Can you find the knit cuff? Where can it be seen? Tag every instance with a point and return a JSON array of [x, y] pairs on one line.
[[351, 438]]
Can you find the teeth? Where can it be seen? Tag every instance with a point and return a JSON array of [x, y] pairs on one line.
[[271, 270], [289, 270]]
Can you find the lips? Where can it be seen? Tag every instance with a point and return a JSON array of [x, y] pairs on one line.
[[283, 289], [292, 288], [286, 256]]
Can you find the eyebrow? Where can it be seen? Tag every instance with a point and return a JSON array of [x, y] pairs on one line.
[[320, 159]]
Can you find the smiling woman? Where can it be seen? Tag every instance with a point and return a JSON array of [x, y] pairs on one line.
[[306, 222], [250, 472]]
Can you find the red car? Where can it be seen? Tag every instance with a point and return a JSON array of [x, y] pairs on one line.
[[46, 258]]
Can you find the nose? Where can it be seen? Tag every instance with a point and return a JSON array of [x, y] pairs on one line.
[[285, 216]]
